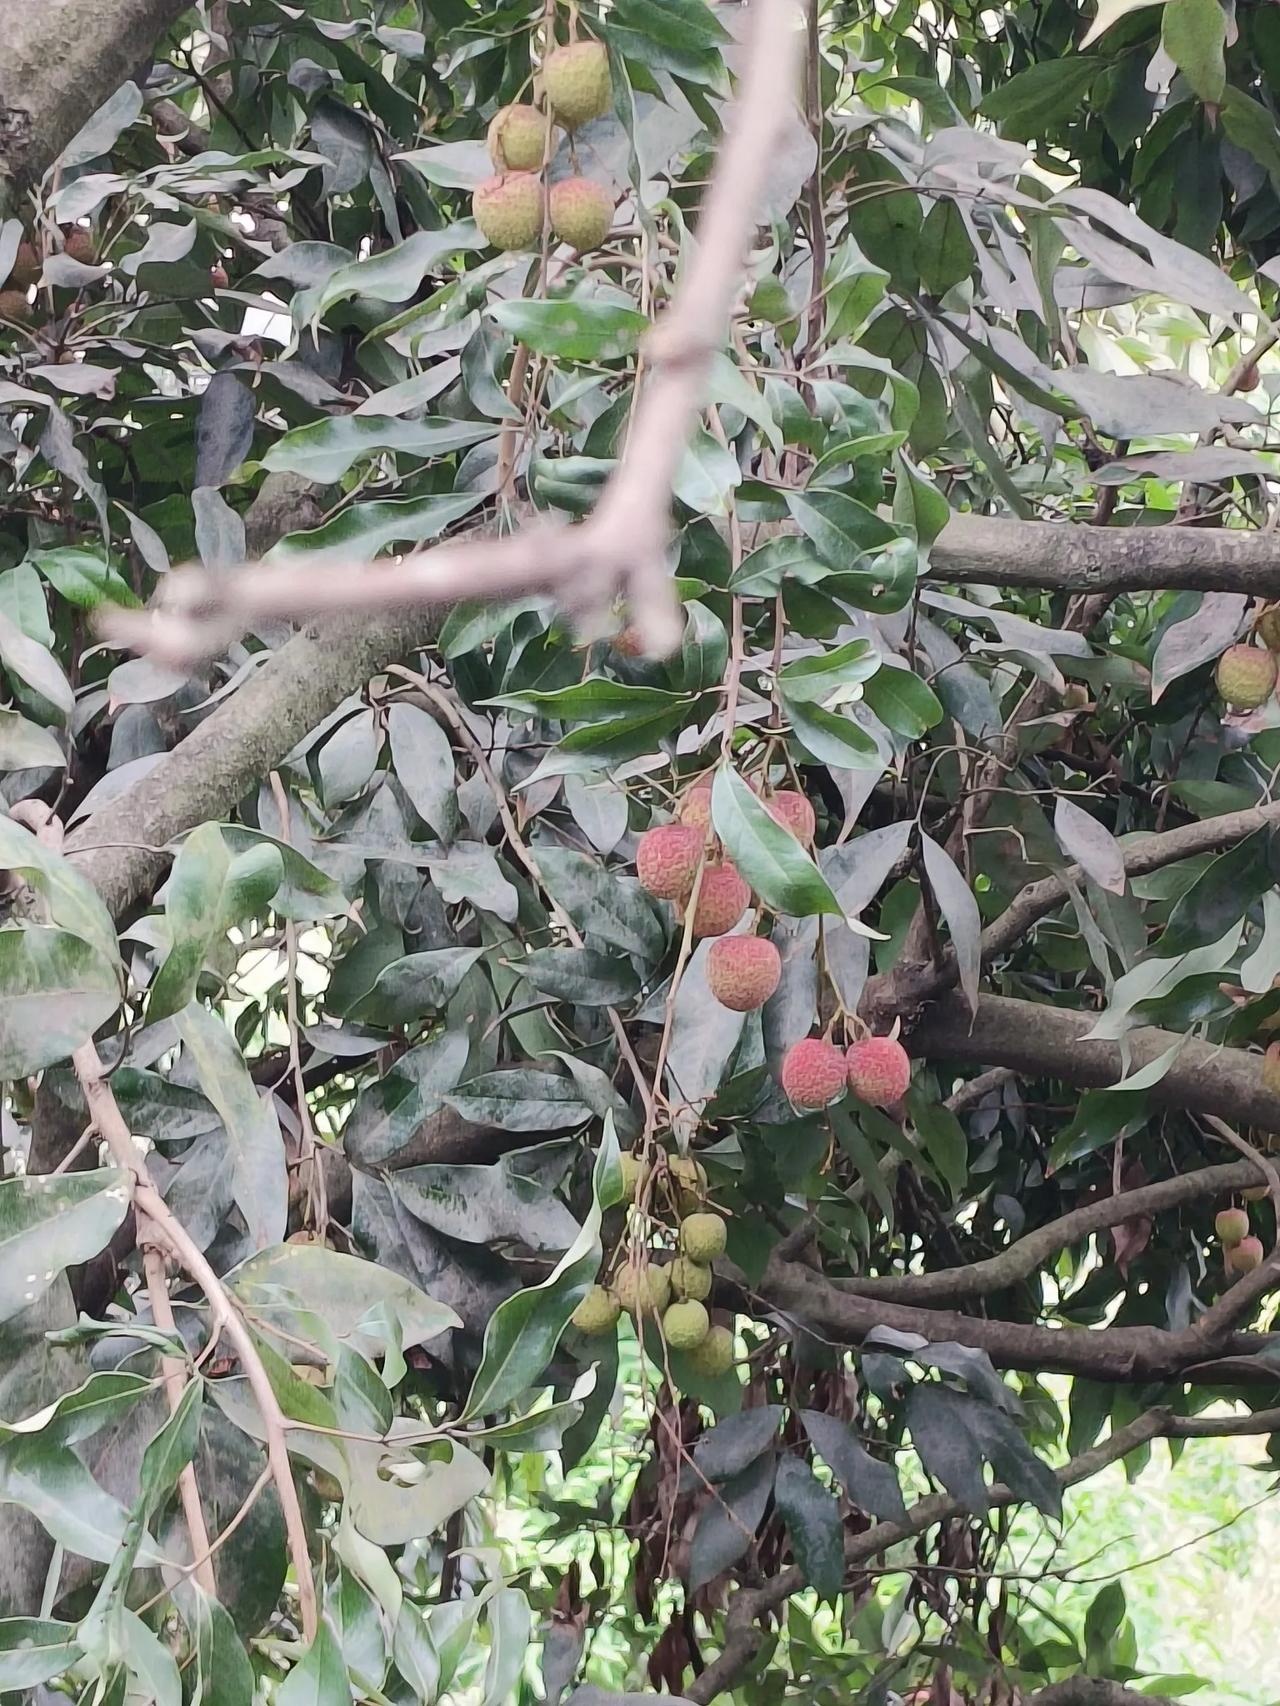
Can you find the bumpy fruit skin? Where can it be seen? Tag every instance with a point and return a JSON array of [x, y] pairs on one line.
[[690, 1279], [1231, 1225], [1267, 627], [581, 213], [642, 1291], [1246, 677], [1271, 1069], [577, 82], [1244, 1257], [508, 209], [686, 1325], [689, 1180], [794, 812], [743, 971], [723, 897], [597, 1313], [703, 1237], [667, 860], [634, 1172], [714, 1356], [813, 1073], [695, 805], [517, 137], [879, 1071]]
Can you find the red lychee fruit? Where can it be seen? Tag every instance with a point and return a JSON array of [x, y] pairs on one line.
[[723, 897], [695, 805], [813, 1073], [577, 82], [508, 209], [219, 277], [667, 861], [581, 213], [792, 810], [879, 1070], [1231, 1225], [517, 137], [1246, 677], [1244, 1257], [743, 971]]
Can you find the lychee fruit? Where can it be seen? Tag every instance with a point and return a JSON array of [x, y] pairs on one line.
[[597, 1313], [27, 266], [743, 971], [723, 897], [879, 1070], [577, 83], [1246, 677], [1267, 627], [667, 860], [15, 308], [703, 1237], [813, 1073], [715, 1355], [793, 811], [627, 642], [690, 1279], [642, 1291], [634, 1173], [517, 137], [1271, 1069], [689, 1182], [1231, 1225], [695, 805], [219, 277], [685, 1325], [581, 213], [79, 244], [508, 209], [1244, 1257], [1256, 1193]]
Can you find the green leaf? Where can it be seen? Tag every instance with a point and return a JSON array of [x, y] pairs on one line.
[[832, 738], [808, 680], [943, 1138], [1033, 101], [391, 275], [391, 1110], [869, 1484], [55, 990], [1193, 33], [25, 745], [1222, 893], [790, 558], [423, 761], [52, 1483], [50, 1224], [574, 330], [607, 908], [596, 699], [305, 894], [903, 702], [70, 899], [362, 530], [726, 1529], [33, 664], [320, 1676], [522, 1099], [83, 578], [840, 528], [414, 987], [323, 450], [768, 856], [944, 252], [813, 1522], [193, 906], [481, 1205], [580, 975], [35, 1650]]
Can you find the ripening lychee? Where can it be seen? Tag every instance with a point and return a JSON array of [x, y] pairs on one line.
[[723, 897], [1244, 1257], [714, 1356], [690, 1279], [1246, 677], [793, 811], [517, 137], [695, 805], [689, 1182], [743, 971], [634, 1173], [581, 213], [703, 1237], [879, 1070], [1267, 627], [1256, 1193], [219, 277], [627, 642], [1271, 1069], [642, 1291], [598, 1312], [508, 209], [1231, 1225], [685, 1325], [667, 860], [577, 83], [813, 1073]]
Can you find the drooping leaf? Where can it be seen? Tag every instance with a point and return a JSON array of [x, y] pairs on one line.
[[729, 1520], [50, 1224], [868, 1483], [813, 1522]]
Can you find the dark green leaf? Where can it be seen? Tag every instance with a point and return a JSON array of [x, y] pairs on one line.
[[583, 330], [35, 1650], [946, 1447], [727, 1526], [55, 990], [47, 1225], [813, 1522], [522, 1099], [868, 1483], [808, 680], [325, 449], [767, 855], [579, 974], [902, 701], [736, 1442], [1222, 893]]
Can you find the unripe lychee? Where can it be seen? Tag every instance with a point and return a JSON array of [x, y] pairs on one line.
[[714, 1356], [703, 1237], [1244, 1257], [743, 971], [517, 137], [1271, 1069], [813, 1073], [597, 1313], [690, 1279], [508, 209], [879, 1070], [689, 1182], [695, 805], [577, 82], [634, 1173], [1231, 1225], [686, 1325], [667, 860], [1246, 677], [1267, 627], [723, 897], [581, 213], [644, 1290], [793, 811]]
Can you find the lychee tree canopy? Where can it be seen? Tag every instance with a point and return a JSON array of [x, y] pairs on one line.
[[330, 1003]]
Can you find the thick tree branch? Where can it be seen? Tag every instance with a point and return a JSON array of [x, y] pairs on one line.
[[1093, 1691]]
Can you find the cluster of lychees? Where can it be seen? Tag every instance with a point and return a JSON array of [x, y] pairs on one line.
[[1241, 1251], [671, 1293], [682, 862], [508, 207], [1247, 673]]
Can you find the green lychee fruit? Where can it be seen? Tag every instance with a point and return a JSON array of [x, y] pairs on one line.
[[688, 1181], [508, 210], [723, 897], [1267, 627], [703, 1237], [792, 810], [690, 1279], [577, 83], [715, 1355], [642, 1291], [517, 137], [1246, 677], [813, 1073], [686, 1325], [1244, 1257], [581, 213], [598, 1312], [879, 1071], [634, 1173], [667, 860], [1231, 1225], [743, 971]]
